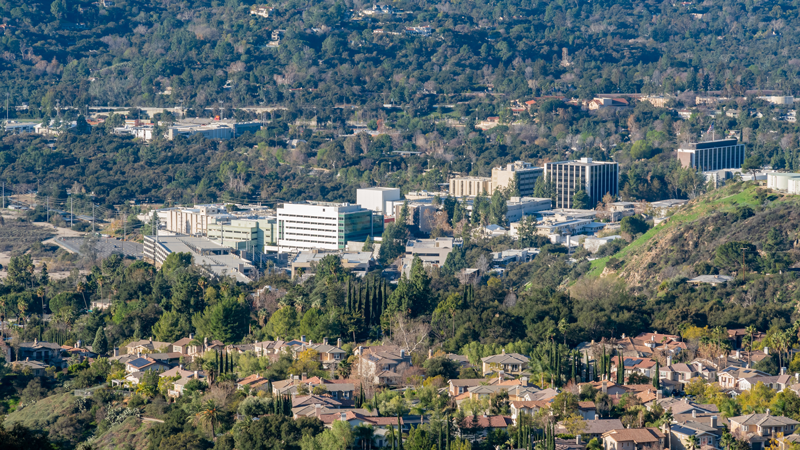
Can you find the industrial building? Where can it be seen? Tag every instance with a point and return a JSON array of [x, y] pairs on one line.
[[522, 173], [786, 182], [712, 155], [596, 178], [324, 226], [215, 259]]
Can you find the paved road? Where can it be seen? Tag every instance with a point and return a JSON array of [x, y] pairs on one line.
[[104, 246]]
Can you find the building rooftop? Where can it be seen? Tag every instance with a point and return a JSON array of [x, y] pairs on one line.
[[214, 257], [711, 279]]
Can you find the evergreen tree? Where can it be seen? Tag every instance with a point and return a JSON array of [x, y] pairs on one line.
[[100, 345]]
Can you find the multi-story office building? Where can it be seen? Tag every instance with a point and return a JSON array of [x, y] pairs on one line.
[[519, 207], [523, 173], [712, 155], [596, 178], [247, 234], [325, 226], [470, 186], [195, 221]]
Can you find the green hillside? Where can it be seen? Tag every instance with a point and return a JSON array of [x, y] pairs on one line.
[[739, 212]]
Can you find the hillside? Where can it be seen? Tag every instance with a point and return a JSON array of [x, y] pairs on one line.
[[132, 431], [695, 231]]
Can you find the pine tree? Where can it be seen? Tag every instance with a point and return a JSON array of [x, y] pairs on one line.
[[100, 345]]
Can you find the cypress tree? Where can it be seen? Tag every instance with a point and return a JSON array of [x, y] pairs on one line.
[[657, 377], [399, 434]]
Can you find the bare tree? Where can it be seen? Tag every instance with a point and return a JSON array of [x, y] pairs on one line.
[[409, 334]]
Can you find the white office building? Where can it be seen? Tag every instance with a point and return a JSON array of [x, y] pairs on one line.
[[324, 226], [518, 207], [376, 198]]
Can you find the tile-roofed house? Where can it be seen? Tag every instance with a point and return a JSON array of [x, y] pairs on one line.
[[680, 372], [762, 424], [595, 427], [510, 363], [684, 406], [527, 407], [480, 426], [380, 363], [732, 377], [633, 439], [145, 346], [458, 387], [251, 380], [642, 366]]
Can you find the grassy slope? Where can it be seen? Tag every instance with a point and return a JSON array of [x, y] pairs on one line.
[[722, 200], [132, 431], [43, 413]]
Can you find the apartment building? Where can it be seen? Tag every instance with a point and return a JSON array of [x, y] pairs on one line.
[[596, 178], [712, 155], [470, 186], [522, 173], [324, 226]]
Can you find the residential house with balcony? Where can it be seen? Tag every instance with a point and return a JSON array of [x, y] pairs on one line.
[[146, 346], [758, 429], [733, 377], [44, 352], [35, 368], [381, 364]]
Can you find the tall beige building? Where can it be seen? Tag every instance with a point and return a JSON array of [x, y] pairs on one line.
[[524, 173], [470, 186]]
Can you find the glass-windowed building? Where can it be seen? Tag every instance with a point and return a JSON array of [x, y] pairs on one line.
[[325, 226]]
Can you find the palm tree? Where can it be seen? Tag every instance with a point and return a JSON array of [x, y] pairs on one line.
[[727, 440], [692, 442], [211, 413], [81, 290]]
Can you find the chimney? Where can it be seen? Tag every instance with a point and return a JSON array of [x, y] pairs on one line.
[[196, 375], [138, 353], [578, 440], [35, 341], [524, 381], [324, 341], [766, 350], [500, 376], [317, 410], [768, 411], [343, 416], [78, 343], [737, 354], [653, 337], [116, 351], [669, 361], [430, 353], [713, 421], [783, 370], [623, 335], [27, 359], [402, 353], [604, 387], [303, 338], [694, 414], [596, 416], [191, 336], [504, 351], [339, 342], [360, 349], [304, 376], [180, 367], [658, 394]]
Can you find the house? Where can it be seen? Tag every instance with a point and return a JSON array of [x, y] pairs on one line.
[[684, 406], [144, 364], [380, 364], [45, 352], [608, 103], [595, 428], [145, 346], [607, 387], [254, 382], [587, 410], [36, 368], [774, 382], [479, 427], [458, 387], [527, 408], [732, 377], [678, 372], [641, 366], [757, 429], [708, 434], [510, 363], [633, 439]]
